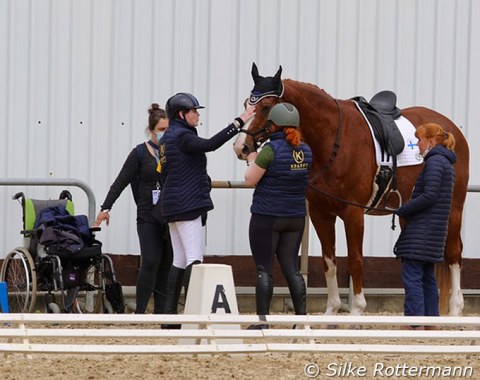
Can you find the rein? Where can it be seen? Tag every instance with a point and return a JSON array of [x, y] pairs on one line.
[[336, 146], [350, 203]]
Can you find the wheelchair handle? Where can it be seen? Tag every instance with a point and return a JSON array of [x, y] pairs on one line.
[[65, 194], [18, 195]]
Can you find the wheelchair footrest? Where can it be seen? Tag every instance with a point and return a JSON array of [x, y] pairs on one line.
[[70, 298]]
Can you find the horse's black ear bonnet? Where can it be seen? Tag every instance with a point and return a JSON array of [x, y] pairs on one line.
[[265, 86]]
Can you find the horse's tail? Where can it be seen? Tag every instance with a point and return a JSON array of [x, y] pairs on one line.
[[444, 282]]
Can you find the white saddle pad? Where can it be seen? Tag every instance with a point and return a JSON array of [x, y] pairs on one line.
[[408, 156]]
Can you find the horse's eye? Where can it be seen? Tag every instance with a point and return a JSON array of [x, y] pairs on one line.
[[266, 110]]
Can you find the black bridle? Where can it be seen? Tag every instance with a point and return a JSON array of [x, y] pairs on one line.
[[261, 135]]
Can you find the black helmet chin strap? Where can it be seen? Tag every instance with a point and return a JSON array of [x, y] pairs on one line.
[[184, 118]]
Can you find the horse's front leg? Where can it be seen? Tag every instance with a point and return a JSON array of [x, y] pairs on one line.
[[354, 229], [325, 228]]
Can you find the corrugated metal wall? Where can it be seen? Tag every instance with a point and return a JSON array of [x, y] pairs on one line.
[[77, 78]]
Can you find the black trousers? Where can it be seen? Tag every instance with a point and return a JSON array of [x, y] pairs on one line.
[[272, 236], [157, 256]]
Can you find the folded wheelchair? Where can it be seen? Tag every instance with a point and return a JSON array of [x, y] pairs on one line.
[[60, 261]]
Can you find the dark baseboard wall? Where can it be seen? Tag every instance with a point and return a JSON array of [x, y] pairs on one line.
[[379, 272]]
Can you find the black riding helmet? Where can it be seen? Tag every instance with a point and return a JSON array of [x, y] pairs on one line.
[[284, 115], [182, 101]]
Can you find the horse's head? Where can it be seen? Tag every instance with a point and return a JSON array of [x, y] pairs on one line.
[[265, 94]]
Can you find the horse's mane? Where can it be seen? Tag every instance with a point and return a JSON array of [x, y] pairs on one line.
[[305, 88]]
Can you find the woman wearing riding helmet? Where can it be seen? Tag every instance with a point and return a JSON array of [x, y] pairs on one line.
[[185, 198], [280, 172]]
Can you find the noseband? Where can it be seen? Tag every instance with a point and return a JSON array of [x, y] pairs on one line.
[[259, 136]]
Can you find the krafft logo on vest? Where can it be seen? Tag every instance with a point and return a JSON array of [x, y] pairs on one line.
[[299, 158]]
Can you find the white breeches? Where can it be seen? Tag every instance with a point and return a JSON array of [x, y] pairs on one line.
[[188, 242]]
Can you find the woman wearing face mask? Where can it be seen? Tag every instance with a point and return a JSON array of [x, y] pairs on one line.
[[185, 198], [425, 220], [140, 171]]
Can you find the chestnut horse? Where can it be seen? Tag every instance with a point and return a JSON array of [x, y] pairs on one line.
[[342, 178]]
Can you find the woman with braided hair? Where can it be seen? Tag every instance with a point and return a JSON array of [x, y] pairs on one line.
[[280, 172]]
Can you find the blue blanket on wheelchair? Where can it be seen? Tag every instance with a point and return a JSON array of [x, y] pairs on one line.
[[59, 231]]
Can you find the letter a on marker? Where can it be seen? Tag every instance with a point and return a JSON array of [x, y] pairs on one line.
[[220, 304]]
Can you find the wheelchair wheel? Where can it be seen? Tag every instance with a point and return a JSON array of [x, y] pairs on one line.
[[18, 272], [53, 308], [91, 300]]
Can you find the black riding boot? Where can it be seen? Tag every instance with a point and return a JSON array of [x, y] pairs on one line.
[[188, 273], [174, 287], [263, 296], [298, 292]]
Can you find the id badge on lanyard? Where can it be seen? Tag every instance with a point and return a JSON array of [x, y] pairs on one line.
[[156, 194]]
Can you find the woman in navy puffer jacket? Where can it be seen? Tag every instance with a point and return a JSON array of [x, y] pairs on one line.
[[422, 241], [185, 198]]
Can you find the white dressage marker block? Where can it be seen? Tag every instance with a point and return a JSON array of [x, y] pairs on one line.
[[211, 291]]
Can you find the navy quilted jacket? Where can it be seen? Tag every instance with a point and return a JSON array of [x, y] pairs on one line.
[[281, 191], [425, 233], [185, 182]]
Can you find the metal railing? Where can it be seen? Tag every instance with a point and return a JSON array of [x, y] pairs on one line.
[[55, 182], [215, 184]]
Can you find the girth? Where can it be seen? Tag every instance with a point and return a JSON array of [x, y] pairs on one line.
[[381, 184]]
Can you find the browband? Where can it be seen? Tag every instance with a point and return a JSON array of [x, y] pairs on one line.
[[255, 97]]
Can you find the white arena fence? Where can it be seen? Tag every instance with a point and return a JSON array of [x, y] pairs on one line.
[[228, 334]]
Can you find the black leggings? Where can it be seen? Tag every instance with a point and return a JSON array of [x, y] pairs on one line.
[[270, 236], [156, 251]]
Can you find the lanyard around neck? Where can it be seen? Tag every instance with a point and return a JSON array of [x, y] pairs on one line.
[[155, 150]]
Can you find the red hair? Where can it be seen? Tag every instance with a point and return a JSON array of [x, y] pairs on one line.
[[436, 132], [293, 136]]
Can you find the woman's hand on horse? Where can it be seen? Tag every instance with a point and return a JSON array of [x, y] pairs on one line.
[[248, 114], [252, 156]]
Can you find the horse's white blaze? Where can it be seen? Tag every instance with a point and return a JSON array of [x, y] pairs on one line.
[[456, 296], [358, 304], [240, 142], [333, 302]]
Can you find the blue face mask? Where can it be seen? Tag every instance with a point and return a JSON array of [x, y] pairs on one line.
[[159, 135]]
